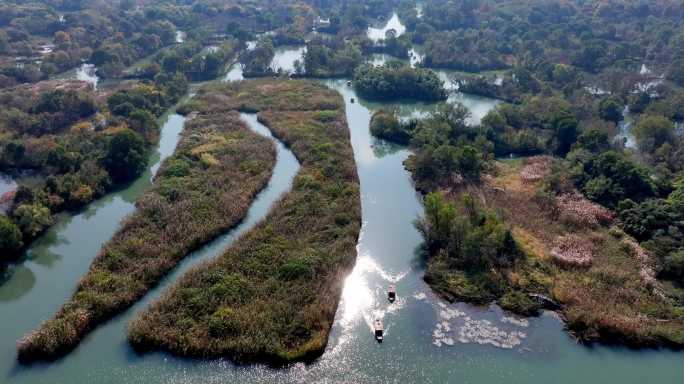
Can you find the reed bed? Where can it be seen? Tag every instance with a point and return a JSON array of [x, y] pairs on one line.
[[272, 296]]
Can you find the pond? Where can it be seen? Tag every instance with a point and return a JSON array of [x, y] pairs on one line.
[[85, 72], [285, 57], [378, 33]]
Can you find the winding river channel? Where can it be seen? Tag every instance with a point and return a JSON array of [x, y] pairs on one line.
[[427, 340]]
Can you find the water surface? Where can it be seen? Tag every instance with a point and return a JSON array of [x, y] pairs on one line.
[[286, 56], [625, 134], [85, 72], [378, 33]]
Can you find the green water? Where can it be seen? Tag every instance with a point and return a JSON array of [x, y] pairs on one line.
[[423, 340]]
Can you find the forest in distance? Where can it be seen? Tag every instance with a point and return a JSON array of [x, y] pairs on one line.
[[565, 195]]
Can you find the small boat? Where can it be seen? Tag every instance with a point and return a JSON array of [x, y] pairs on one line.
[[392, 293], [377, 325]]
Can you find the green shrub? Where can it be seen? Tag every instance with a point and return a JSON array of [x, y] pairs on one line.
[[126, 156], [520, 303], [673, 265], [468, 236], [177, 167], [10, 237], [224, 322], [32, 218], [385, 125], [296, 269]]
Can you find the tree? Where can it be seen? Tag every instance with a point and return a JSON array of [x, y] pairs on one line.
[[610, 108], [258, 60], [469, 161], [212, 65], [591, 56], [566, 133], [32, 218], [172, 62], [395, 80], [62, 39], [609, 178], [472, 238], [4, 42], [126, 156], [565, 74], [652, 131], [673, 265], [384, 124], [164, 29], [594, 139], [676, 72], [315, 59], [144, 123], [440, 216], [10, 237]]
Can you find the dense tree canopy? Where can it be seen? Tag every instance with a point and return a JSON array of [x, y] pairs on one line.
[[396, 80], [126, 156]]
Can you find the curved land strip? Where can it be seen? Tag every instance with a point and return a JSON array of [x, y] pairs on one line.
[[272, 296], [201, 191], [613, 300]]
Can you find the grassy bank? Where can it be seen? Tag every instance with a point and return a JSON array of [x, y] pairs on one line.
[[201, 191], [272, 296], [611, 299]]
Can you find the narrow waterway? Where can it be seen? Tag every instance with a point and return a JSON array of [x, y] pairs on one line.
[[427, 340], [625, 134]]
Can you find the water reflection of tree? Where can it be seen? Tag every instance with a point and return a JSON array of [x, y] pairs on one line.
[[41, 252], [382, 148], [15, 283], [45, 257]]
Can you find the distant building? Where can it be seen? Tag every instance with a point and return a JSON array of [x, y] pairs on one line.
[[322, 23]]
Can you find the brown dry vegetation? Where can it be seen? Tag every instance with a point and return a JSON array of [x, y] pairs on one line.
[[201, 191], [614, 300], [272, 296]]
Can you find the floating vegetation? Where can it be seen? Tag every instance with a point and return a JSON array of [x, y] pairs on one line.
[[520, 322], [455, 325], [420, 296]]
